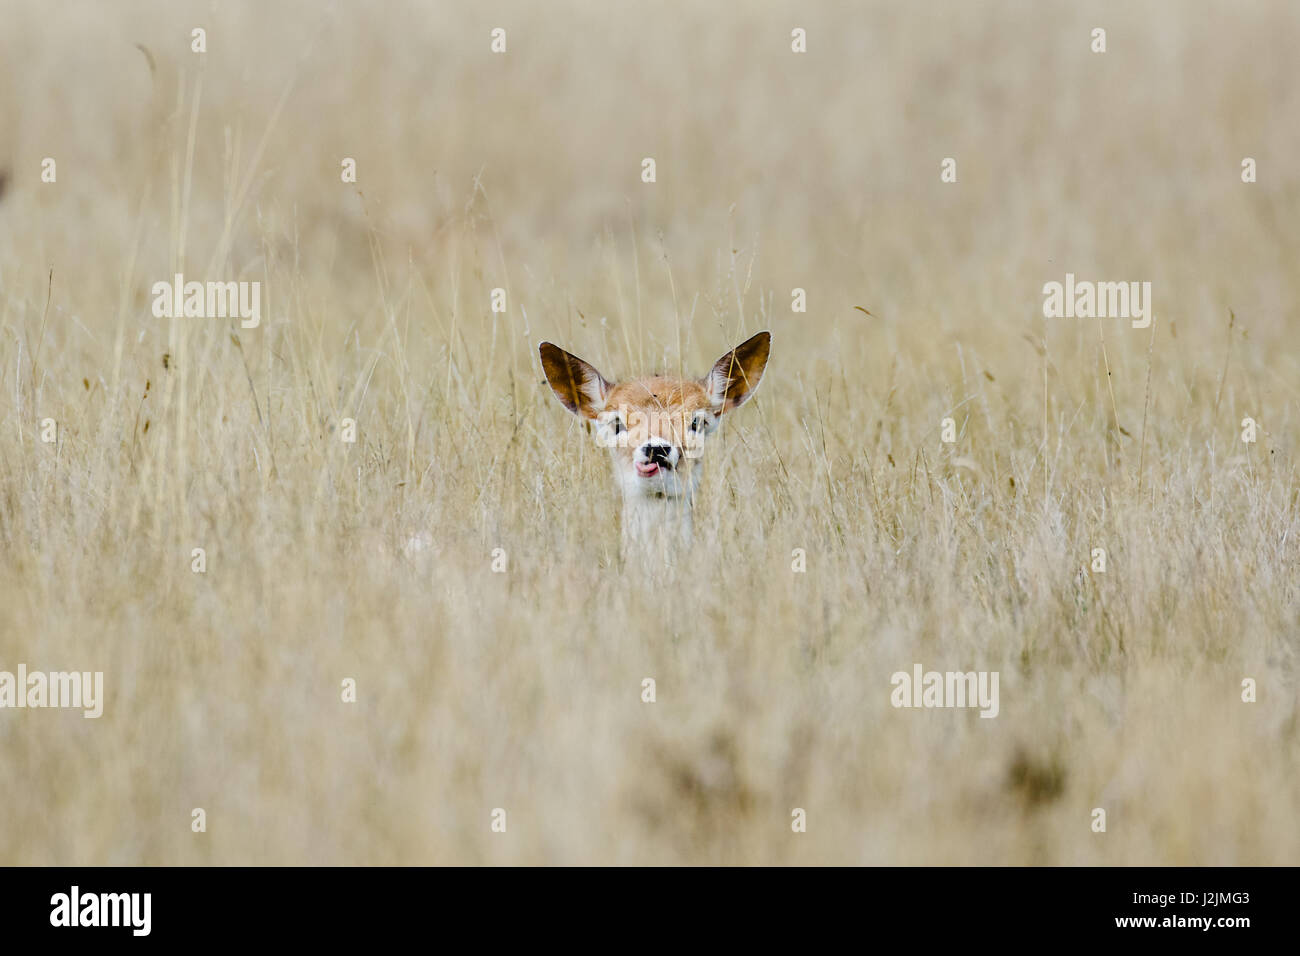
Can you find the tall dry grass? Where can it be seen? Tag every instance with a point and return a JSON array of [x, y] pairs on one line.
[[522, 690]]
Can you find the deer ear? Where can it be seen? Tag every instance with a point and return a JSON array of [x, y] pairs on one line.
[[578, 386], [735, 376]]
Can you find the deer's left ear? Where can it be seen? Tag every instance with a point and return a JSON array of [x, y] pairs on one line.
[[735, 376]]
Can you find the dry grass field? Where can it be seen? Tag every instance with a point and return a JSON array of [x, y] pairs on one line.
[[522, 690]]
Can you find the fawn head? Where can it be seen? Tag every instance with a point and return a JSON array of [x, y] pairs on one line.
[[656, 426]]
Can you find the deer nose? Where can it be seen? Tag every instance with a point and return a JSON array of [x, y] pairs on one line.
[[658, 453]]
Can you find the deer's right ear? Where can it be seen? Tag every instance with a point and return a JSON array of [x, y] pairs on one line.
[[578, 386]]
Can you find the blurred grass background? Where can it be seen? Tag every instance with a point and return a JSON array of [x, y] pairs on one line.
[[522, 690]]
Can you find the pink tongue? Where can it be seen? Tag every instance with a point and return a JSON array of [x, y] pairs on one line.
[[646, 470]]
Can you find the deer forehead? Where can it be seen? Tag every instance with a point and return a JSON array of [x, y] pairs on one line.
[[659, 394]]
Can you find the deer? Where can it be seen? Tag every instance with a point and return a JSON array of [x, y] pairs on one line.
[[655, 427]]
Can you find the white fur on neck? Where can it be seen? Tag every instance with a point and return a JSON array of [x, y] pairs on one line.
[[656, 527]]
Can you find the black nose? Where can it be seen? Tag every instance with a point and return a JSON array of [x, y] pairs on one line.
[[658, 454]]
